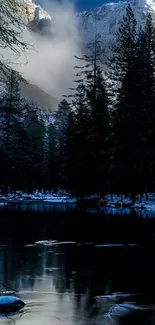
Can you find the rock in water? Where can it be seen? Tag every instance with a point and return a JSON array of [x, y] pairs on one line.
[[10, 304]]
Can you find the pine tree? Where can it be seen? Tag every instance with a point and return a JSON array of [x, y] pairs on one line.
[[34, 149], [11, 109], [124, 51], [53, 157], [76, 164], [92, 61], [11, 114], [69, 151], [90, 105], [147, 50], [57, 139], [128, 113], [61, 117], [83, 142], [100, 134], [96, 102]]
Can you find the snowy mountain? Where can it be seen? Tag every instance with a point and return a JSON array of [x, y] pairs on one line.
[[106, 19]]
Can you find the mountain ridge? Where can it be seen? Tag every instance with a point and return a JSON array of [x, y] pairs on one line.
[[104, 19]]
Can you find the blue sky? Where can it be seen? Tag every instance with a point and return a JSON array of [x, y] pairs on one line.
[[82, 4]]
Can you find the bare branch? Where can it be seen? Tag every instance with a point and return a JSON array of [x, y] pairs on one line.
[[11, 28]]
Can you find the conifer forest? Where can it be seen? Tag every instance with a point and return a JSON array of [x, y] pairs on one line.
[[101, 139]]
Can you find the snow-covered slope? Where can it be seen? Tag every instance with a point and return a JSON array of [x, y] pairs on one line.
[[103, 20], [106, 19]]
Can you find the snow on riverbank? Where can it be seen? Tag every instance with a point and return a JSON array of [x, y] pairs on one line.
[[111, 202], [56, 243], [114, 201], [2, 204], [59, 197]]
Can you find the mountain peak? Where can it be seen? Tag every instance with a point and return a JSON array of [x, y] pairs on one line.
[[35, 12]]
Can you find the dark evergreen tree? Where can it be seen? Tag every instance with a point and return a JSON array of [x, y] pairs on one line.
[[128, 113], [53, 157], [90, 105], [147, 54], [56, 142], [34, 149], [96, 100], [100, 133], [83, 174], [11, 115], [69, 162], [11, 108], [61, 117]]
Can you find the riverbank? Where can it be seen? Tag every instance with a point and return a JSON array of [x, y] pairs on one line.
[[40, 197], [146, 202], [113, 201]]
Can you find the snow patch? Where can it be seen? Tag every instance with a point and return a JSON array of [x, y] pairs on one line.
[[50, 243], [141, 203], [41, 196]]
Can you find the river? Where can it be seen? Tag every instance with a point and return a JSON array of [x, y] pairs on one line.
[[73, 266]]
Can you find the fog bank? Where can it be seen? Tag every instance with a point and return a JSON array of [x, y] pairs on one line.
[[50, 64]]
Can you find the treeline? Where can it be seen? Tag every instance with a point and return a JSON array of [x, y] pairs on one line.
[[104, 140]]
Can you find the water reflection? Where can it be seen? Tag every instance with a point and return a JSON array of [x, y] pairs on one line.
[[40, 207], [89, 281], [45, 286], [72, 284]]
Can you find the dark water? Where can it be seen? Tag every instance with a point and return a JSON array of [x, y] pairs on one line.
[[104, 273]]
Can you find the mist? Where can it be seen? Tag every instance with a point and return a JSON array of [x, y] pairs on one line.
[[50, 63]]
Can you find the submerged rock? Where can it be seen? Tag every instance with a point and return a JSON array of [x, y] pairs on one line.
[[10, 304]]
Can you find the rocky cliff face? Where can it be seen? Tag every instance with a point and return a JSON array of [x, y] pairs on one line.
[[34, 12]]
